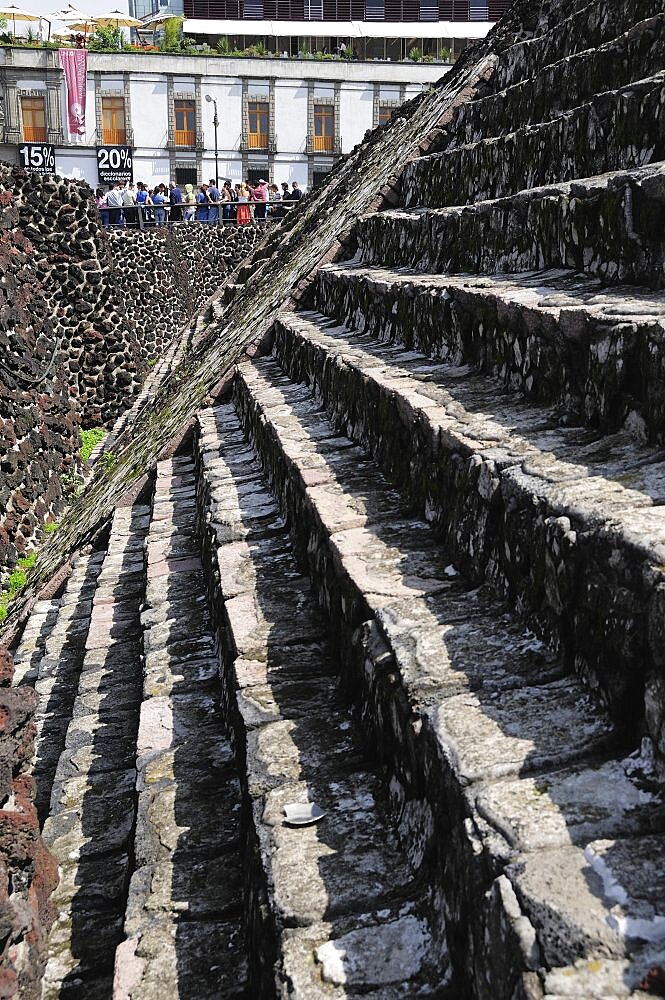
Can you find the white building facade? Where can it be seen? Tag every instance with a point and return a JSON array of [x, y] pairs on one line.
[[282, 119]]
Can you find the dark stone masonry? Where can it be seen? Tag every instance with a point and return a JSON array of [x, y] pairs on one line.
[[345, 676], [161, 277]]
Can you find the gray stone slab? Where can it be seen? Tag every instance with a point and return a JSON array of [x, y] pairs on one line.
[[576, 804], [348, 862], [517, 731]]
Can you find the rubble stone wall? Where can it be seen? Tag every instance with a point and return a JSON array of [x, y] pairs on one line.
[[98, 347], [39, 413], [28, 873], [162, 276]]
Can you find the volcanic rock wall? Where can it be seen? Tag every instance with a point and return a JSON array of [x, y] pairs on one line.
[[99, 349], [38, 413], [28, 874], [162, 276]]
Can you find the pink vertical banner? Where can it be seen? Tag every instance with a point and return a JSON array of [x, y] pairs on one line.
[[74, 63]]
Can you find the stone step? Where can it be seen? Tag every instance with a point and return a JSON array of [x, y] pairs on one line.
[[334, 909], [586, 26], [495, 762], [567, 83], [607, 226], [565, 522], [89, 829], [183, 926], [50, 658], [616, 130], [594, 353]]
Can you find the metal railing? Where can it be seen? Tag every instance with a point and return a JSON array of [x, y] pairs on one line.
[[34, 133], [218, 213], [114, 136], [185, 137], [323, 143], [257, 140]]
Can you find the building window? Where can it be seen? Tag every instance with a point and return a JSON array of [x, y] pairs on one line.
[[324, 128], [185, 122], [33, 118], [258, 124], [113, 121], [318, 177], [385, 111], [186, 175], [256, 174]]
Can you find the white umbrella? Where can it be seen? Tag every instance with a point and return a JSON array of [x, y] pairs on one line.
[[117, 19], [18, 14]]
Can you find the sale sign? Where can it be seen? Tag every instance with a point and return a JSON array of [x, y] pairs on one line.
[[37, 157], [114, 164], [74, 64]]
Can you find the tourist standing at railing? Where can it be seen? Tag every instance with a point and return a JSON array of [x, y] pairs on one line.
[[114, 202], [243, 211], [129, 205], [102, 207], [202, 204], [189, 201], [143, 200], [296, 193], [228, 211], [260, 197], [175, 199], [274, 198], [159, 200], [215, 198]]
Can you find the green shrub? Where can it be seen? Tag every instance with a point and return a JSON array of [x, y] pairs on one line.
[[89, 441], [172, 38], [415, 54], [16, 582], [51, 527], [107, 38]]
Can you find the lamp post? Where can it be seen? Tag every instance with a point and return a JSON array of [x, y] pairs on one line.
[[215, 122]]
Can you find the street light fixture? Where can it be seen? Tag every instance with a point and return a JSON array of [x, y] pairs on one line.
[[215, 122]]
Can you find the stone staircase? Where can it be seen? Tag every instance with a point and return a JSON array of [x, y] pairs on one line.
[[408, 570]]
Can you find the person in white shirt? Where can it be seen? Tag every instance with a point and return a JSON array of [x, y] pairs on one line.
[[114, 202], [129, 205]]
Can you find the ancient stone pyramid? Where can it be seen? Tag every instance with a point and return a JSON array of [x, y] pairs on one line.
[[407, 566]]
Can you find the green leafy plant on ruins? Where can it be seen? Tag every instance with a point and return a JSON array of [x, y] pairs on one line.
[[16, 582], [89, 441]]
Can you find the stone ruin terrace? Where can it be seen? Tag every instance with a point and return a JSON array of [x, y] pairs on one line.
[[408, 563]]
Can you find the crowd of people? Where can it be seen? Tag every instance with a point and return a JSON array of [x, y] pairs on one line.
[[239, 204]]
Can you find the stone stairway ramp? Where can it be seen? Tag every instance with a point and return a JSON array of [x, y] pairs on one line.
[[593, 354], [49, 657], [90, 824], [615, 129], [605, 226], [183, 923], [333, 909], [586, 25], [565, 83], [567, 523], [496, 758]]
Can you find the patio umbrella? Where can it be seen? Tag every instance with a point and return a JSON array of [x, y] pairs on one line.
[[18, 14], [118, 19], [76, 20]]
